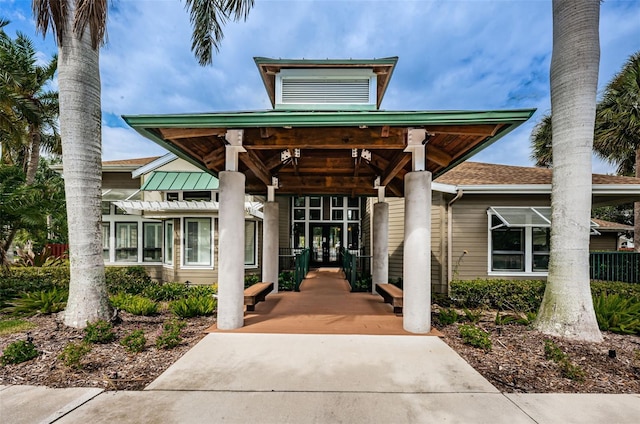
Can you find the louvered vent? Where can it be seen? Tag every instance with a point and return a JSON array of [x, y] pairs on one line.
[[325, 91]]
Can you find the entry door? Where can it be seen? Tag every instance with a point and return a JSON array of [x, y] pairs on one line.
[[326, 240]]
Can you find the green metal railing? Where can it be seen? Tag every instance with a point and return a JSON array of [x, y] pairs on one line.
[[349, 266], [615, 266], [301, 267]]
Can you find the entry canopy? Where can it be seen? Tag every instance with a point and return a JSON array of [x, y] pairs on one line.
[[328, 152], [516, 216]]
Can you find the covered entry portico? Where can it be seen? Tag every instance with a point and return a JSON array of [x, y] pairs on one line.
[[356, 153]]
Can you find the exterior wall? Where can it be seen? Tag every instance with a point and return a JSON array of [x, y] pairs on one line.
[[606, 241], [470, 232], [285, 221], [119, 180], [438, 240]]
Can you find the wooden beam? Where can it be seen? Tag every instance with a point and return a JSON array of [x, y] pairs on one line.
[[438, 156], [326, 138], [214, 155], [384, 133], [179, 133], [395, 165], [253, 162], [266, 132], [480, 129]]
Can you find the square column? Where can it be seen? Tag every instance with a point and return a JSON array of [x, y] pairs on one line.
[[380, 271], [270, 243], [231, 250], [416, 272]]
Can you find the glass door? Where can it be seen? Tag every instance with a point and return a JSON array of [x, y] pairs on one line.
[[326, 240]]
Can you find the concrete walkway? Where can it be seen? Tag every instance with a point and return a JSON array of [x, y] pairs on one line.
[[292, 378]]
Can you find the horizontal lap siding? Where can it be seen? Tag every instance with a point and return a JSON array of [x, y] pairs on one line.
[[396, 237], [470, 231], [284, 221], [604, 242]]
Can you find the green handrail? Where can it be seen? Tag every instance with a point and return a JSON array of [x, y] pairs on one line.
[[301, 267]]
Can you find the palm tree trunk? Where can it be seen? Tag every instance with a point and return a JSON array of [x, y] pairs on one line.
[[636, 210], [567, 306], [34, 154], [80, 129]]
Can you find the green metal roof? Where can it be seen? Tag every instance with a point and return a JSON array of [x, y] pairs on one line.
[[169, 181], [330, 62], [279, 118]]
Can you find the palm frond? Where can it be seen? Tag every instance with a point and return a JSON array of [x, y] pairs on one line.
[[51, 14], [92, 13]]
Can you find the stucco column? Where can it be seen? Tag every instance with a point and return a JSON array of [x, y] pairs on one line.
[[416, 272], [270, 244], [231, 250], [380, 264]]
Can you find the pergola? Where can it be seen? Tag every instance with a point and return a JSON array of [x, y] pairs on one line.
[[373, 153]]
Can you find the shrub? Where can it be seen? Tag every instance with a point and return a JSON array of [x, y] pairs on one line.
[[134, 342], [286, 281], [448, 316], [475, 336], [99, 332], [131, 280], [43, 302], [202, 290], [166, 292], [134, 304], [170, 336], [617, 314], [194, 306], [251, 279], [362, 284], [567, 368], [515, 295], [73, 353], [506, 319], [472, 316], [18, 352], [19, 280]]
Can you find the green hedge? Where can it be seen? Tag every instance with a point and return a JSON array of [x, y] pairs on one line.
[[520, 295], [18, 280]]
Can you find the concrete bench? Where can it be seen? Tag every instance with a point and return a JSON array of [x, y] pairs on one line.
[[256, 293], [392, 295]]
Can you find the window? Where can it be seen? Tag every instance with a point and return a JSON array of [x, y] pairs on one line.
[[250, 243], [507, 245], [197, 242], [353, 236], [171, 196], [298, 235], [152, 245], [168, 242], [196, 195], [126, 241], [106, 208], [105, 240], [520, 239]]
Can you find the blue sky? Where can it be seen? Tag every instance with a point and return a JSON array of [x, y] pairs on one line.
[[474, 54]]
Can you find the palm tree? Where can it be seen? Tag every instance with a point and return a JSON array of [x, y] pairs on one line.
[[617, 132], [567, 306], [33, 105], [79, 27], [617, 129]]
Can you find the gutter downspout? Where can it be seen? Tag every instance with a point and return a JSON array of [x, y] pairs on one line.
[[450, 238]]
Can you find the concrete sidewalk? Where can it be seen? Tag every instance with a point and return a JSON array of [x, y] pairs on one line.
[[286, 378]]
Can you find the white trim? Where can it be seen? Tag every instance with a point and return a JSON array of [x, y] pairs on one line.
[[597, 189], [255, 243], [152, 166], [183, 249], [444, 188]]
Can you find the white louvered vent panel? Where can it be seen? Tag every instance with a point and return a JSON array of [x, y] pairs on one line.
[[320, 91]]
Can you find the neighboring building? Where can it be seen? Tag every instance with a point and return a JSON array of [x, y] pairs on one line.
[[161, 213]]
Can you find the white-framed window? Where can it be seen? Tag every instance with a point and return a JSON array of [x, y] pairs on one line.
[[168, 242], [197, 242], [250, 244], [519, 240], [106, 234], [126, 241], [152, 241]]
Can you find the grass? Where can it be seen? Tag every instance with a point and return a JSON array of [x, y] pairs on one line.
[[10, 326]]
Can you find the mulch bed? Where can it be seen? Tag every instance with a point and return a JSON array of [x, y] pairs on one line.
[[516, 362]]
